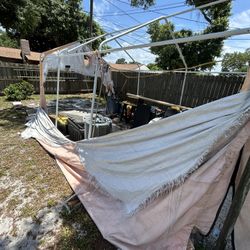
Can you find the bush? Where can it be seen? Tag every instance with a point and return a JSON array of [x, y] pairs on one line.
[[18, 91]]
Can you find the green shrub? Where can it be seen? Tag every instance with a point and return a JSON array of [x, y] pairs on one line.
[[18, 91]]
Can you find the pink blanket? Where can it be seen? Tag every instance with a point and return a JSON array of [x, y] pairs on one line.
[[167, 222]]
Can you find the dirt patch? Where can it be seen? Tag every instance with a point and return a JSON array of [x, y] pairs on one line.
[[32, 189]]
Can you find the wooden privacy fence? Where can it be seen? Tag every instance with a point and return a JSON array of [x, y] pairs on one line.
[[199, 89], [69, 82]]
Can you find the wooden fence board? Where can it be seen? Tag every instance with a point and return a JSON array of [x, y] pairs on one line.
[[69, 82], [199, 89]]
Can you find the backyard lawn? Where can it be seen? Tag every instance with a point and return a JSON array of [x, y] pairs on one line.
[[31, 191]]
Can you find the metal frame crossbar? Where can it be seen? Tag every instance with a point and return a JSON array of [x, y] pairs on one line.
[[119, 33]]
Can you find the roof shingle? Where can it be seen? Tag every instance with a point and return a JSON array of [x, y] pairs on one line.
[[12, 53], [126, 66]]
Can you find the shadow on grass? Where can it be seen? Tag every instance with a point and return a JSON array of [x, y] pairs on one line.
[[12, 117], [75, 97], [80, 232]]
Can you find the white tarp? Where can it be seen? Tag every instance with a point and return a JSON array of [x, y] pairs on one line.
[[137, 165], [188, 159], [82, 64], [167, 221], [79, 59]]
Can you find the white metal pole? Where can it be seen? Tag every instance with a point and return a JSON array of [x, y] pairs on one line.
[[131, 29], [138, 81], [57, 88], [93, 101], [216, 35], [160, 18], [88, 42], [227, 33], [125, 51], [41, 85], [184, 62], [92, 39]]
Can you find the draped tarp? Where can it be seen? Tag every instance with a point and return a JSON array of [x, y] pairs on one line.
[[77, 63], [177, 170], [136, 166], [75, 58], [69, 59]]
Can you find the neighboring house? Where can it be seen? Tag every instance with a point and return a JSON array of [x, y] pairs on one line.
[[14, 56], [127, 67]]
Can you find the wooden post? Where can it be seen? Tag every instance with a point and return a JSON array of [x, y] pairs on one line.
[[41, 86], [246, 84], [156, 101], [234, 211]]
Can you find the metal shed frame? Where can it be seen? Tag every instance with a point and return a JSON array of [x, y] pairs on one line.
[[119, 33]]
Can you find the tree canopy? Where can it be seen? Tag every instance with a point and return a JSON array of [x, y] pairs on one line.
[[6, 41], [153, 66], [121, 61], [195, 53], [47, 23], [144, 3], [236, 62]]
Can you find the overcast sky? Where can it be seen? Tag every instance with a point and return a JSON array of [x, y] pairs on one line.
[[117, 14]]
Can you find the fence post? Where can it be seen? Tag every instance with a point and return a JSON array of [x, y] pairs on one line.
[[234, 211]]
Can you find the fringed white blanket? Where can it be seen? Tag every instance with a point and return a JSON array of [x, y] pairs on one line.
[[177, 169], [75, 63], [137, 165]]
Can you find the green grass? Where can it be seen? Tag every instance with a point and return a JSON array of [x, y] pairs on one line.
[[80, 232], [12, 204], [4, 193], [51, 203]]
